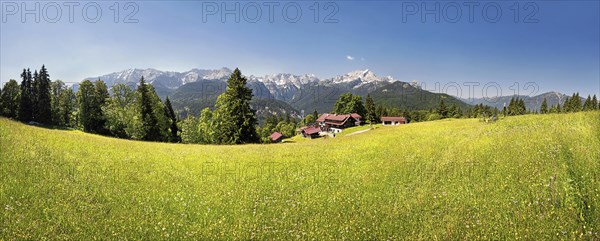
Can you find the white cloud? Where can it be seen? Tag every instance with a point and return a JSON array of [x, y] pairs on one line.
[[349, 58]]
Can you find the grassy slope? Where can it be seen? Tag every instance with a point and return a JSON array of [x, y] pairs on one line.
[[532, 177]]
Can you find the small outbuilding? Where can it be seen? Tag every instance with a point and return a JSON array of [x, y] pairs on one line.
[[311, 132], [276, 137], [392, 120]]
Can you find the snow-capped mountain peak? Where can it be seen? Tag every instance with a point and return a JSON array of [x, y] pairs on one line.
[[359, 78]]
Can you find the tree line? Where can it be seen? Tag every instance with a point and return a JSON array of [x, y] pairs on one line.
[[134, 114], [140, 114], [571, 104]]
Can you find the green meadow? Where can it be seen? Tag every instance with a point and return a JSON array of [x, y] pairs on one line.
[[532, 177]]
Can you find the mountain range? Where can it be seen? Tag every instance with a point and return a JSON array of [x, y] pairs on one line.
[[282, 94]]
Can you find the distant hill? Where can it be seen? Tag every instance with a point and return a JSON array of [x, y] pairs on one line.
[[410, 96], [532, 103]]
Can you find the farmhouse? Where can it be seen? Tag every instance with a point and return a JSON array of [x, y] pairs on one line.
[[392, 121], [310, 132], [335, 123], [276, 137]]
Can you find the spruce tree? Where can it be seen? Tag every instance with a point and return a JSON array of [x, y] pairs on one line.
[[544, 107], [10, 99], [587, 105], [442, 110], [595, 102], [173, 119], [149, 121], [43, 112], [371, 116], [577, 103], [511, 107], [316, 114], [235, 119], [522, 107], [566, 107], [26, 99]]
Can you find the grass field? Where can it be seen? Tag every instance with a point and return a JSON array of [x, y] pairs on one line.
[[532, 177]]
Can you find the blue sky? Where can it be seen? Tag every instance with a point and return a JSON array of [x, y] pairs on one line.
[[554, 44]]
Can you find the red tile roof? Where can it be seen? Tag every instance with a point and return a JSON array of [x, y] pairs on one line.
[[311, 130], [275, 136], [355, 116], [322, 117], [400, 119]]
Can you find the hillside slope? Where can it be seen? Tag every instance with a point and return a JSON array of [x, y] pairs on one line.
[[527, 177]]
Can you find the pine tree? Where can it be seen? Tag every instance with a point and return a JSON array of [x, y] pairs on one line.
[[587, 105], [235, 119], [43, 111], [595, 102], [149, 121], [26, 99], [522, 107], [544, 107], [511, 107], [10, 99], [315, 114], [173, 119], [442, 110], [577, 106], [371, 116], [566, 107]]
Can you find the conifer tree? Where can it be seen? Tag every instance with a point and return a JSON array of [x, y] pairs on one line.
[[595, 102], [442, 110], [173, 119], [26, 99], [371, 116], [566, 107], [522, 107], [544, 107], [149, 121], [316, 114], [43, 112], [587, 105], [576, 103], [235, 119]]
